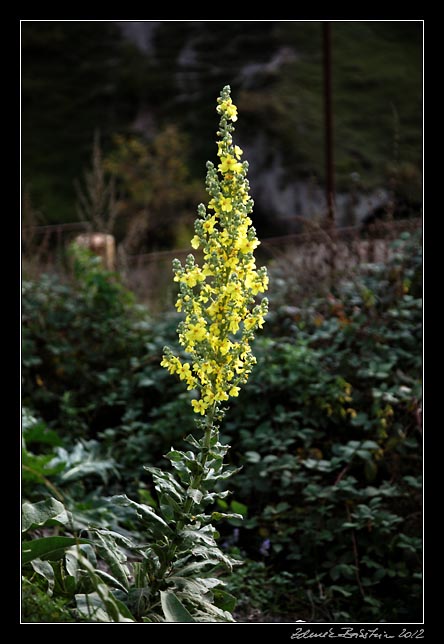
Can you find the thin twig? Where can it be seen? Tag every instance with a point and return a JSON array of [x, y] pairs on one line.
[[355, 554], [341, 474], [45, 481]]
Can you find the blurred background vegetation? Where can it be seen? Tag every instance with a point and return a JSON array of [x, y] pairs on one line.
[[136, 82]]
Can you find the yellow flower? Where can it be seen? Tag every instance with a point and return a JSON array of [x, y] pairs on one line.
[[232, 262], [234, 324], [184, 371], [249, 323], [207, 272], [229, 164], [225, 204], [248, 245], [192, 277], [196, 333], [226, 107], [199, 406], [231, 112], [218, 298], [221, 396], [225, 346], [224, 238], [208, 225]]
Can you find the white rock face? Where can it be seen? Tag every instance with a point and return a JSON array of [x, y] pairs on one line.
[[288, 199], [291, 200]]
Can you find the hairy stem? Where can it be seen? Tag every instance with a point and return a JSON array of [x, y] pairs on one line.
[[197, 478], [195, 485]]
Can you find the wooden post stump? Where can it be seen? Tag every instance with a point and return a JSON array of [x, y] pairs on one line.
[[102, 245]]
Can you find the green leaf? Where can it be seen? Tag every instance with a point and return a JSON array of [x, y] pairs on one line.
[[210, 497], [165, 481], [39, 433], [371, 470], [110, 580], [206, 534], [173, 609], [102, 605], [146, 382], [196, 586], [369, 445], [45, 569], [208, 553], [205, 610], [342, 570], [124, 614], [362, 453], [372, 601], [72, 563], [36, 468], [145, 512], [415, 482], [210, 478], [341, 590], [174, 455], [169, 508], [252, 457], [224, 600], [83, 460], [51, 548], [239, 508], [194, 567], [92, 607], [109, 550], [47, 512], [192, 441], [196, 495]]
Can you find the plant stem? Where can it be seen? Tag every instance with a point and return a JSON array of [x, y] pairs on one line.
[[195, 485], [355, 554], [197, 478]]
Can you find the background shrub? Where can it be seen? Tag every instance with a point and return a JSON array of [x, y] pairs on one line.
[[328, 430]]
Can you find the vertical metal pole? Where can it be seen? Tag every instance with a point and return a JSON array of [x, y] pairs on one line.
[[328, 120]]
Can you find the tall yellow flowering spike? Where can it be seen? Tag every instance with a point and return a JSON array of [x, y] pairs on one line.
[[219, 298]]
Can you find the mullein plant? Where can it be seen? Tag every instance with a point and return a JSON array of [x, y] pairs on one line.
[[178, 576], [218, 299]]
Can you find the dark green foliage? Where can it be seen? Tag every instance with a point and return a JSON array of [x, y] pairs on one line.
[[91, 367], [77, 76], [327, 431], [77, 477], [38, 606], [63, 568], [329, 434], [264, 593], [78, 340], [173, 571]]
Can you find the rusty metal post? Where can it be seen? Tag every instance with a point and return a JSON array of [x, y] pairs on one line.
[[329, 163], [328, 120]]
